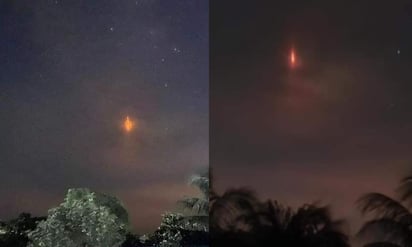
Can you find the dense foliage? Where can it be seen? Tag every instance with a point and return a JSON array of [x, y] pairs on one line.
[[177, 230], [84, 219], [89, 219], [14, 232]]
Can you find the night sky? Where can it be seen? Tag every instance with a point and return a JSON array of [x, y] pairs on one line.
[[336, 126], [70, 73]]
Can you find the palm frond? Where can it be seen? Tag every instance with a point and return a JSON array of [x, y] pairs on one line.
[[243, 193], [405, 190], [386, 228], [201, 182], [383, 206], [310, 218], [275, 215], [226, 211], [197, 205]]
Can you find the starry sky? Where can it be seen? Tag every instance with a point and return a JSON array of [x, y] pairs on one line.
[[336, 126], [71, 71]]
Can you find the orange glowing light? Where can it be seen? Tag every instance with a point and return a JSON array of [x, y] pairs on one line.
[[292, 58], [128, 124]]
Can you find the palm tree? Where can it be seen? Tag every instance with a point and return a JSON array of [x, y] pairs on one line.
[[197, 208], [198, 205], [310, 225], [239, 218], [231, 211], [230, 215], [392, 222]]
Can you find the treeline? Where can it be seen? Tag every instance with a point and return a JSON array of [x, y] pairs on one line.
[[91, 219], [239, 218], [235, 218]]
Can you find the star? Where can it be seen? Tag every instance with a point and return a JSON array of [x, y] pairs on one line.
[[398, 51], [176, 50], [111, 29]]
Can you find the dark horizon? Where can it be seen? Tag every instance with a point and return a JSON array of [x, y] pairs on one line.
[[71, 71], [330, 130]]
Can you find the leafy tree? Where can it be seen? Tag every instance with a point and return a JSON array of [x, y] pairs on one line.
[[169, 232], [14, 232], [111, 203], [84, 219]]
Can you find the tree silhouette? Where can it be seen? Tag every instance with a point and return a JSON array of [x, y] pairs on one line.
[[310, 225], [392, 220], [233, 210], [238, 218]]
